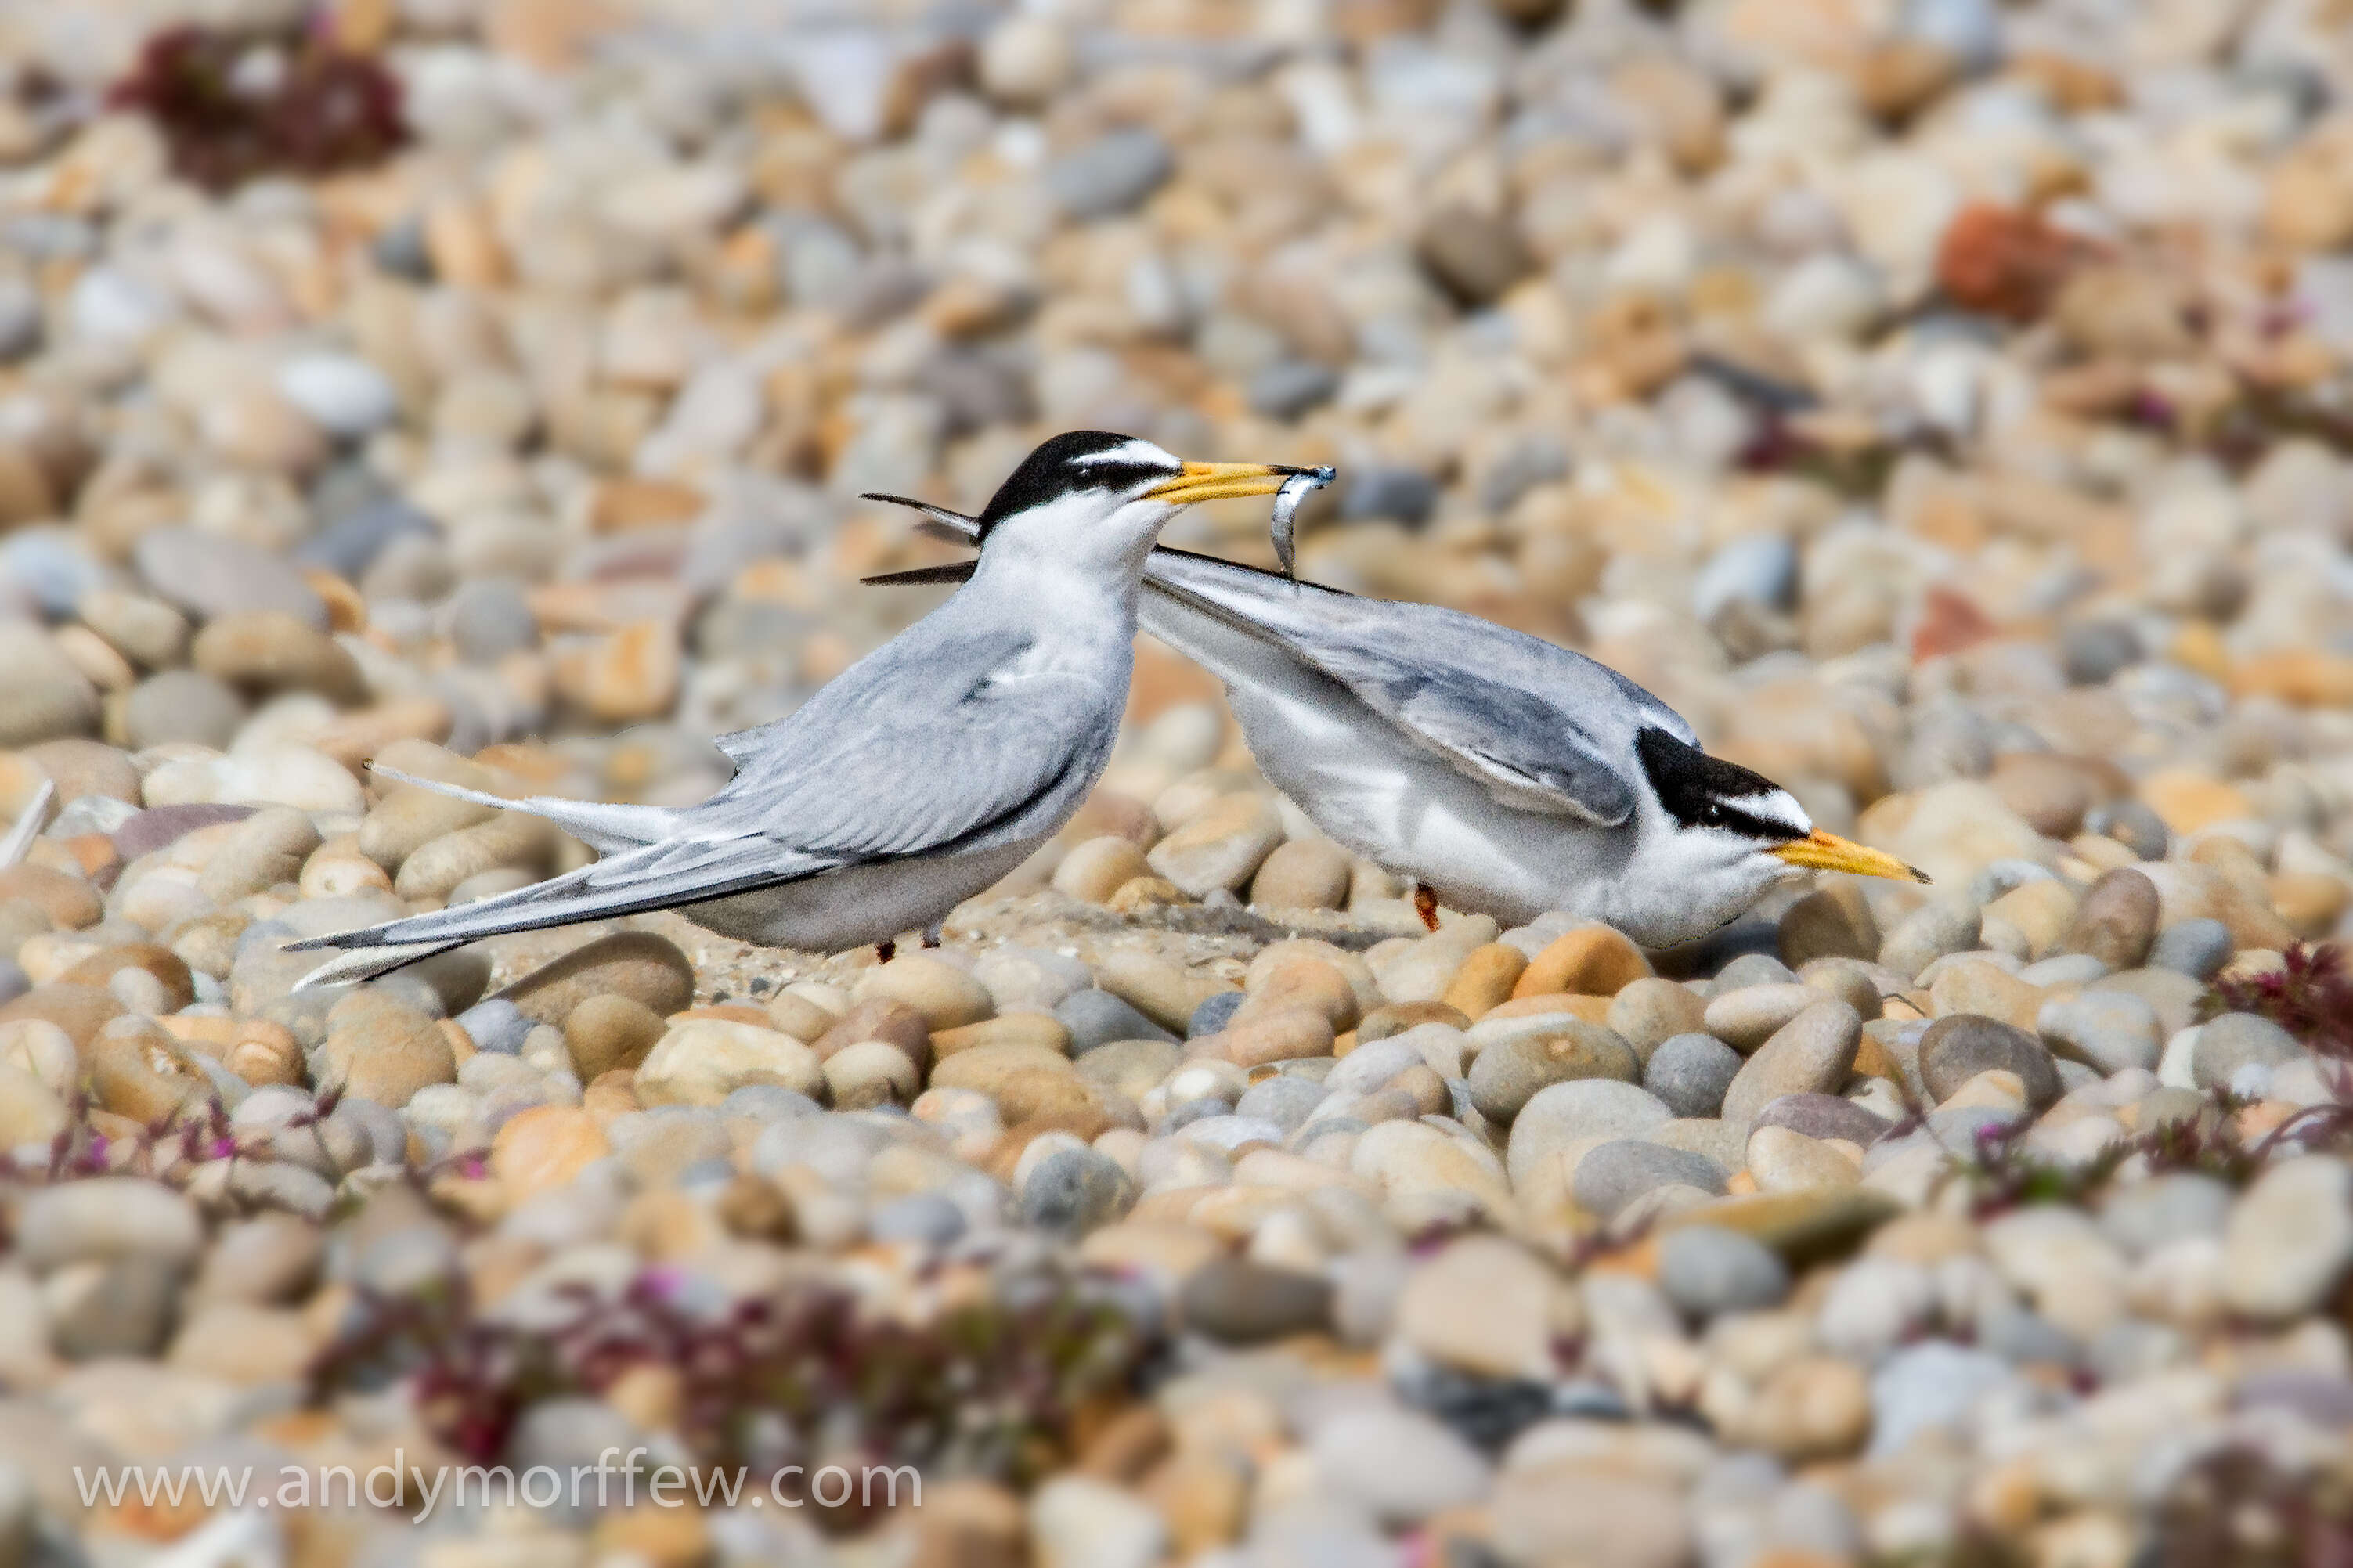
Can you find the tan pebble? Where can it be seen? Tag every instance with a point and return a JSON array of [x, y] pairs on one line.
[[2186, 802], [1417, 969], [1219, 847], [1304, 874], [1782, 1161], [1485, 979], [1973, 985], [1140, 893], [243, 1344], [758, 1210], [100, 663], [1591, 1009], [1306, 982], [382, 1051], [68, 900], [1995, 1088], [545, 1147], [138, 1072], [30, 1111], [337, 873], [79, 1010], [1397, 1017], [608, 1031], [1282, 1034], [270, 650], [701, 1062], [624, 677], [611, 1094], [2042, 911], [147, 631], [636, 963], [1816, 1407], [43, 1050], [1025, 1028], [798, 1016], [408, 816], [724, 1012], [1059, 1096], [1155, 987], [1095, 870], [1650, 1011], [944, 994], [264, 850], [1592, 961], [880, 1018], [982, 1067], [511, 839], [867, 1074], [2311, 902]]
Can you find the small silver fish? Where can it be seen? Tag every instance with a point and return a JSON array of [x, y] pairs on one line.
[[1287, 502]]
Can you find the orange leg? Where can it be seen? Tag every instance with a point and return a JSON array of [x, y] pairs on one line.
[[1425, 904]]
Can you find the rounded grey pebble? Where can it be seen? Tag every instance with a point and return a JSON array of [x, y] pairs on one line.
[[1928, 934], [1215, 1014], [2133, 825], [2237, 1040], [1615, 1175], [1691, 1072], [1289, 388], [1751, 969], [1705, 1270], [1823, 1116], [1073, 1191], [489, 620], [769, 1103], [1955, 1048], [1098, 1018], [1194, 1110], [496, 1026], [182, 705], [1285, 1100], [931, 1218], [2005, 876], [2092, 651], [2141, 1216], [2198, 948], [1109, 174]]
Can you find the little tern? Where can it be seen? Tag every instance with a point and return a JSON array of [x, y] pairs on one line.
[[916, 778], [1503, 774]]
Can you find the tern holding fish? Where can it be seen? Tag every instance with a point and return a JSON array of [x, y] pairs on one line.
[[1500, 772], [916, 778]]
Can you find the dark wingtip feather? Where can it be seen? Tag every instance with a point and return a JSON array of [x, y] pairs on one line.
[[953, 572]]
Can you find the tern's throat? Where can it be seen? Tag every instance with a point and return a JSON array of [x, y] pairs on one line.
[[1082, 538]]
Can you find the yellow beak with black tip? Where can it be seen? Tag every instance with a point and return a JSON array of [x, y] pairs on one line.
[[1221, 481], [1827, 852]]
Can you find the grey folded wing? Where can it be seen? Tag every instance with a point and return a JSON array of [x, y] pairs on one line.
[[968, 759], [1539, 727]]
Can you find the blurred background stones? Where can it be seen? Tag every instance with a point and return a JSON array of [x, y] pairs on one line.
[[1944, 403]]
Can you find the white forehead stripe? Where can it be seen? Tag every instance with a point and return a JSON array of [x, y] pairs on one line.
[[1134, 451]]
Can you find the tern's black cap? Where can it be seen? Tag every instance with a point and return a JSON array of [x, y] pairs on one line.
[[1074, 460]]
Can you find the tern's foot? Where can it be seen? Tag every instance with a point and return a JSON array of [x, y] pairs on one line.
[[932, 937], [886, 950], [1425, 904]]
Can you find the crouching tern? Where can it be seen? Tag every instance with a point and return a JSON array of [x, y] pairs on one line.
[[1503, 774], [915, 779]]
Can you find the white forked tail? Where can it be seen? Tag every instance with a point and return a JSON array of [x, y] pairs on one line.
[[605, 828]]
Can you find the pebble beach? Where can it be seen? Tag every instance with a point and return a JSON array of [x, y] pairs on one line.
[[1945, 405]]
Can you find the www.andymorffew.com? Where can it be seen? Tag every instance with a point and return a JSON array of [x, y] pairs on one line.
[[619, 1480]]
